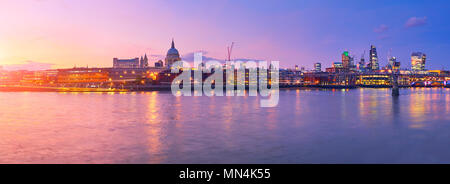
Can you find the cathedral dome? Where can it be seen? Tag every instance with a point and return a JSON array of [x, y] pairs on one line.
[[172, 55], [173, 51]]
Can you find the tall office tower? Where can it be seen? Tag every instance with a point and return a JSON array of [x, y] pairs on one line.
[[317, 67], [418, 61], [391, 63], [362, 63], [351, 62], [396, 65], [373, 58], [345, 60]]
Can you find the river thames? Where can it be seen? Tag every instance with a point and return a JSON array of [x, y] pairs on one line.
[[307, 126]]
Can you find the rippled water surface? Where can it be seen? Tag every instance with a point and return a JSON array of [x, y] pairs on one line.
[[308, 126]]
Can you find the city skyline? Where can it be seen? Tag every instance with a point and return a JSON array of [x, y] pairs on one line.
[[291, 32], [224, 82]]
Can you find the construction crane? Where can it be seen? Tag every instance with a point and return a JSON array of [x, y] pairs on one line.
[[389, 54], [230, 49]]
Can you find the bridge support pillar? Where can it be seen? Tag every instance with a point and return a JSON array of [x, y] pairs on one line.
[[395, 89]]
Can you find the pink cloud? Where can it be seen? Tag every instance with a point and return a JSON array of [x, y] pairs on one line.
[[416, 21], [380, 29]]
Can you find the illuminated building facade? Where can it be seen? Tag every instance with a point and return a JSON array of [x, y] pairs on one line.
[[374, 80], [373, 62], [338, 65], [345, 60], [418, 61], [287, 77], [130, 74], [82, 75], [317, 67], [104, 76], [126, 63], [439, 72], [393, 64], [329, 79], [41, 77], [131, 63]]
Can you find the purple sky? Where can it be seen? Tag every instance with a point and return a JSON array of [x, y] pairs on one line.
[[63, 33]]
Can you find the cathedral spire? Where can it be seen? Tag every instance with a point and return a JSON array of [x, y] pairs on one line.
[[173, 44]]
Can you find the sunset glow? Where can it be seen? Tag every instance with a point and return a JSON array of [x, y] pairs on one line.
[[86, 32]]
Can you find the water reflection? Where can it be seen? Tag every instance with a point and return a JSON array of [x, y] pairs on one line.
[[308, 126], [395, 107], [154, 132]]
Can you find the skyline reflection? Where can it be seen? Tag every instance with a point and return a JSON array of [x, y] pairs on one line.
[[308, 126]]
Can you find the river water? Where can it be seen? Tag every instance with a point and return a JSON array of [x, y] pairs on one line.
[[307, 126]]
